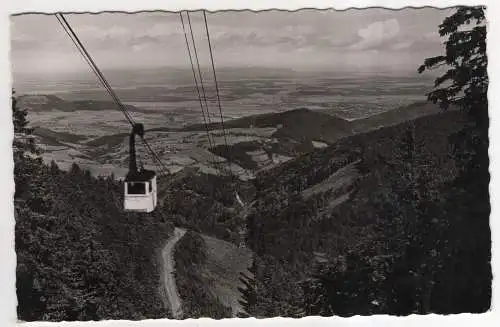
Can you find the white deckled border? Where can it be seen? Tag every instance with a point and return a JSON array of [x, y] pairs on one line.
[[128, 5], [8, 259]]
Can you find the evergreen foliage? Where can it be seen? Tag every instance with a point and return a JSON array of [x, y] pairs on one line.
[[79, 255], [197, 300], [414, 235]]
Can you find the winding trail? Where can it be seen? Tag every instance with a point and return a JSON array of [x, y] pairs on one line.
[[169, 285]]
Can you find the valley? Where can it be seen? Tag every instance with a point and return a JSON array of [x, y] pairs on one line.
[[256, 143], [312, 163], [301, 170], [287, 161], [271, 115]]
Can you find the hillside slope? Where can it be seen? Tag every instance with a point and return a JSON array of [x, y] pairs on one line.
[[50, 137], [80, 257], [301, 131], [256, 143], [37, 103], [204, 203], [396, 116], [366, 152], [296, 124], [223, 268], [198, 301], [336, 203]]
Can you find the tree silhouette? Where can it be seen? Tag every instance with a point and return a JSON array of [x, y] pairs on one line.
[[466, 56], [24, 149], [434, 240], [79, 256], [248, 292], [23, 141], [465, 85]]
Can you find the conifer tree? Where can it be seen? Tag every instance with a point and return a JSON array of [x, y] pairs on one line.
[[25, 151], [465, 85], [248, 292]]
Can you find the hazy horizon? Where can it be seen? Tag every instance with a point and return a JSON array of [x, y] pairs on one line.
[[355, 41]]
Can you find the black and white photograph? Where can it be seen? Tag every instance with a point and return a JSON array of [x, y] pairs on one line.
[[237, 163]]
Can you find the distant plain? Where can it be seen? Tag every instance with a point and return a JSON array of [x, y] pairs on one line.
[[167, 100]]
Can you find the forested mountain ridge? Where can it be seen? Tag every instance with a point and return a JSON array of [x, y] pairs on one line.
[[258, 142], [320, 204], [296, 124], [313, 167], [412, 235], [49, 102], [390, 221], [79, 256], [396, 116], [205, 203], [297, 214], [354, 228], [298, 130], [83, 256], [280, 201]]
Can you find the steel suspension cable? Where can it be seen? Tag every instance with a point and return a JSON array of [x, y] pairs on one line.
[[209, 136], [165, 170], [220, 167], [93, 65], [95, 69], [217, 91], [199, 69], [81, 48], [195, 78]]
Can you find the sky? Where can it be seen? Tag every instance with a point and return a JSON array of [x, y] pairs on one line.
[[354, 40]]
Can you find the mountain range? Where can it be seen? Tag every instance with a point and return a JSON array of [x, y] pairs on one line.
[[313, 197], [255, 142]]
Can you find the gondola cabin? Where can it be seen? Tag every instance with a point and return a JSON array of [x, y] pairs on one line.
[[140, 191], [140, 184]]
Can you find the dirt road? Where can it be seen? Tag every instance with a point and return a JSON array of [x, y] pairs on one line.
[[168, 274]]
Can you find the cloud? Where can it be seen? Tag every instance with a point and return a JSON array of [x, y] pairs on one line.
[[377, 34], [139, 47], [294, 38], [402, 45], [427, 42]]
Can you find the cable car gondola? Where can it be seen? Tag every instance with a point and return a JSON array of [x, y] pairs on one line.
[[140, 194], [140, 189]]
